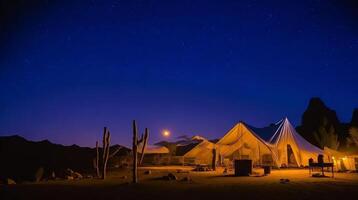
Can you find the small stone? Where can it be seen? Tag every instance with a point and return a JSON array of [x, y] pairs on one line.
[[171, 176], [283, 180], [77, 175], [186, 179], [69, 171], [89, 176], [9, 181]]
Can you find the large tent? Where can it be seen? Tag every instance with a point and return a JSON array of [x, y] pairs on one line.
[[242, 143], [342, 161], [292, 149], [154, 154], [201, 153], [285, 147]]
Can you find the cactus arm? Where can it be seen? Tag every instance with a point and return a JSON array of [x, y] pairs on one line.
[[145, 141], [140, 140]]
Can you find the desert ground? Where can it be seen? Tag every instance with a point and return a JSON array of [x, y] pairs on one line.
[[203, 185]]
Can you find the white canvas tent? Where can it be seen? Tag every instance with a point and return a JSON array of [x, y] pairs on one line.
[[202, 153], [285, 148], [242, 143], [292, 148], [341, 161]]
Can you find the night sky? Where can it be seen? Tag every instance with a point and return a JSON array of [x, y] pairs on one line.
[[69, 68]]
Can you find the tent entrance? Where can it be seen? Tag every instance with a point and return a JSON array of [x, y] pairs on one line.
[[291, 159]]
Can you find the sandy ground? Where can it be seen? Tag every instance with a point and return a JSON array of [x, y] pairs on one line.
[[204, 185]]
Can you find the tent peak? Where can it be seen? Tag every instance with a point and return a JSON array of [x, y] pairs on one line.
[[286, 121]]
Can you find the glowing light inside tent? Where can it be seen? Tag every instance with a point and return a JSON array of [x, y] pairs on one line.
[[166, 133]]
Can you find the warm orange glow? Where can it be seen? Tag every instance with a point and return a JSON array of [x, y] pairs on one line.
[[166, 133]]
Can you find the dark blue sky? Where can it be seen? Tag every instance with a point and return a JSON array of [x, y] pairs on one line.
[[68, 68]]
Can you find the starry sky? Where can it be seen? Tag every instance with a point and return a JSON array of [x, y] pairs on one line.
[[69, 68]]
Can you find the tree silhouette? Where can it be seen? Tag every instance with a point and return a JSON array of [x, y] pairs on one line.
[[325, 136]]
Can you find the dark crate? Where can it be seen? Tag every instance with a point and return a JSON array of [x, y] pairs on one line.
[[267, 170], [243, 167]]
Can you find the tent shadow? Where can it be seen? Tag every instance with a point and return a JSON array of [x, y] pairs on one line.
[[233, 175], [160, 178]]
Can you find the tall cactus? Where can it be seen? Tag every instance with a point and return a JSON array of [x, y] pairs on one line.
[[105, 154], [136, 143]]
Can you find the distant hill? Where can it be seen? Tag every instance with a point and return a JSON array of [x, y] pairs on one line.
[[198, 138], [21, 158], [182, 141], [354, 120], [163, 143], [183, 144]]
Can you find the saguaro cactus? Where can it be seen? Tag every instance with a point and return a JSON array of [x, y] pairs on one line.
[[105, 154], [136, 143]]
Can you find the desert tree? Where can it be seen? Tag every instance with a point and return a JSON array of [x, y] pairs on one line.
[[353, 136], [136, 143], [326, 136]]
